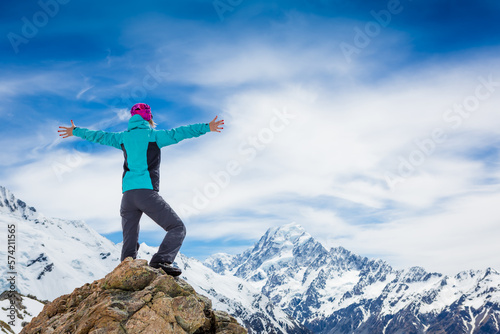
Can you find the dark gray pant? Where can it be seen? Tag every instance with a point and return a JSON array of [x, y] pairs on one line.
[[138, 201]]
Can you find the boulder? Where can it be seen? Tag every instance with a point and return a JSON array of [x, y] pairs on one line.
[[133, 298]]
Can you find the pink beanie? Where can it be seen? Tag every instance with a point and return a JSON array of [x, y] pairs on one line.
[[142, 109]]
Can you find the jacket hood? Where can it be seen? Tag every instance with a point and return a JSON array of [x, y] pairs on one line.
[[137, 122]]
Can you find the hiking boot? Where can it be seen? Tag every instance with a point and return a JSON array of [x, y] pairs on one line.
[[167, 268]]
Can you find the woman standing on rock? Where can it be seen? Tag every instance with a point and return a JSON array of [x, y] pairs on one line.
[[141, 145]]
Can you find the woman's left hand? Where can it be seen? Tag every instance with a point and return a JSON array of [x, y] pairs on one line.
[[67, 131]]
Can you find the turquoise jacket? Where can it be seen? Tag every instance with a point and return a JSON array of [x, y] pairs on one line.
[[141, 149]]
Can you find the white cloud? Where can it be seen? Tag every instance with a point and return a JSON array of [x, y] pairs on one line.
[[72, 185], [459, 235], [29, 83]]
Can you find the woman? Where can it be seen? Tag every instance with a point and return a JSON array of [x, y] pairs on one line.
[[141, 145]]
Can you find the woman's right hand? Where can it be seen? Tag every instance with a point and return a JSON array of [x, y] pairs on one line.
[[216, 125]]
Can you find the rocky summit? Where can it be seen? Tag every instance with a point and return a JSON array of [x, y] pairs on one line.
[[133, 298]]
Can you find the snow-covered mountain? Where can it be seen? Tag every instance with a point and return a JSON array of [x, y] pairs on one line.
[[54, 256], [336, 291], [286, 275]]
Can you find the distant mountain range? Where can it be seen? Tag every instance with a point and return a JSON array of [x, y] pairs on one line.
[[287, 283]]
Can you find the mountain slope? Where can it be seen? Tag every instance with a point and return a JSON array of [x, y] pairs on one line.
[[53, 255]]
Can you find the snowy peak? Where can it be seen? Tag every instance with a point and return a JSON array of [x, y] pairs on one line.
[[286, 234], [278, 247], [282, 247], [280, 240], [282, 243], [418, 274], [9, 204], [346, 260]]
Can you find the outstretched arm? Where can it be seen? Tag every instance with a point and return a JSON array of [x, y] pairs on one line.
[[101, 137], [169, 137]]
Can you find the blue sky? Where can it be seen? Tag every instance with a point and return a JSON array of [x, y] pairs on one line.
[[374, 124]]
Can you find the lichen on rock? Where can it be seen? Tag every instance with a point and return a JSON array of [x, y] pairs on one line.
[[133, 298]]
